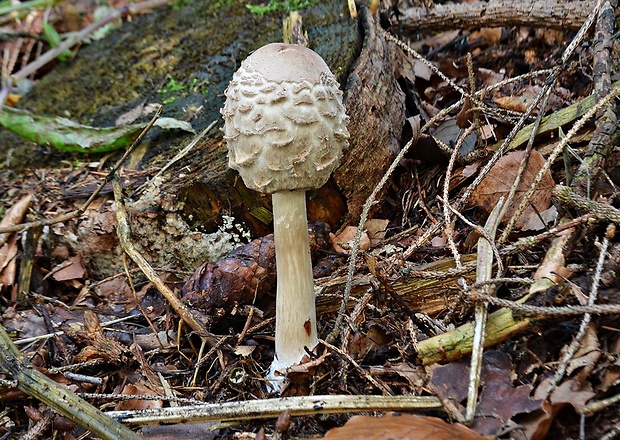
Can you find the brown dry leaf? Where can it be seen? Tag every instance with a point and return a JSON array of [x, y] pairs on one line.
[[490, 77], [376, 229], [135, 404], [154, 341], [396, 426], [343, 241], [14, 215], [611, 376], [8, 242], [436, 40], [28, 323], [8, 262], [588, 354], [99, 345], [414, 374], [499, 400], [553, 266], [492, 35], [498, 182], [72, 269], [465, 116], [570, 392], [370, 341], [514, 103], [527, 95]]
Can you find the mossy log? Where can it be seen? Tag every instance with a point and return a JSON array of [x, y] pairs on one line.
[[189, 214]]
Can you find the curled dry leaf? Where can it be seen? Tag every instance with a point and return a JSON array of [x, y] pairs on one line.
[[344, 241], [571, 392], [376, 229], [8, 242], [500, 179], [588, 354], [396, 426], [14, 215]]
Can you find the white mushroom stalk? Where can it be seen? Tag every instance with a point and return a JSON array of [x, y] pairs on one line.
[[285, 128]]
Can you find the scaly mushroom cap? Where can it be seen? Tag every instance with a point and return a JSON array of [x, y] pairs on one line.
[[284, 122]]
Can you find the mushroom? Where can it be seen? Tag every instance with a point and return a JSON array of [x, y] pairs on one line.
[[285, 128]]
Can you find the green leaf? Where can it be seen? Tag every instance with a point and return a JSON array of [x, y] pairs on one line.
[[53, 39], [66, 135]]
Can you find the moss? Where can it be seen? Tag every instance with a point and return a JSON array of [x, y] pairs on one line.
[[199, 45], [280, 6]]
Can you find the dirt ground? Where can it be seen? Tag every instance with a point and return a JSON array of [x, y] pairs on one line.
[[436, 255]]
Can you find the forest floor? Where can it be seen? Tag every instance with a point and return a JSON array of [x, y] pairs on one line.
[[424, 274]]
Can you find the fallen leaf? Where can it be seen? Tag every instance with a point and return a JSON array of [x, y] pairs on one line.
[[372, 340], [376, 229], [498, 182], [71, 271], [421, 70], [588, 353], [490, 77], [135, 404], [450, 381], [8, 262], [498, 400], [28, 323], [14, 215], [611, 376], [344, 241], [514, 103], [527, 95], [448, 132], [534, 223], [395, 426], [8, 242], [570, 392], [245, 350], [414, 374], [492, 35]]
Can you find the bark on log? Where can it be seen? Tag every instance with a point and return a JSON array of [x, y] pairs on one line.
[[550, 14], [193, 212]]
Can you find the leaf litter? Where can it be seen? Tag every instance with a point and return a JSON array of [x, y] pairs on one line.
[[385, 331]]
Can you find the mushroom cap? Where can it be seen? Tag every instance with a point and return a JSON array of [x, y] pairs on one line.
[[284, 121]]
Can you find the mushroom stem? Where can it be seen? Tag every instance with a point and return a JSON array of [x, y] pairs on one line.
[[295, 309]]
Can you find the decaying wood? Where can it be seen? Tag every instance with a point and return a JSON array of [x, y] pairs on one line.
[[124, 235], [430, 295], [375, 105], [454, 345], [550, 14], [268, 408], [177, 218], [606, 133], [245, 276]]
